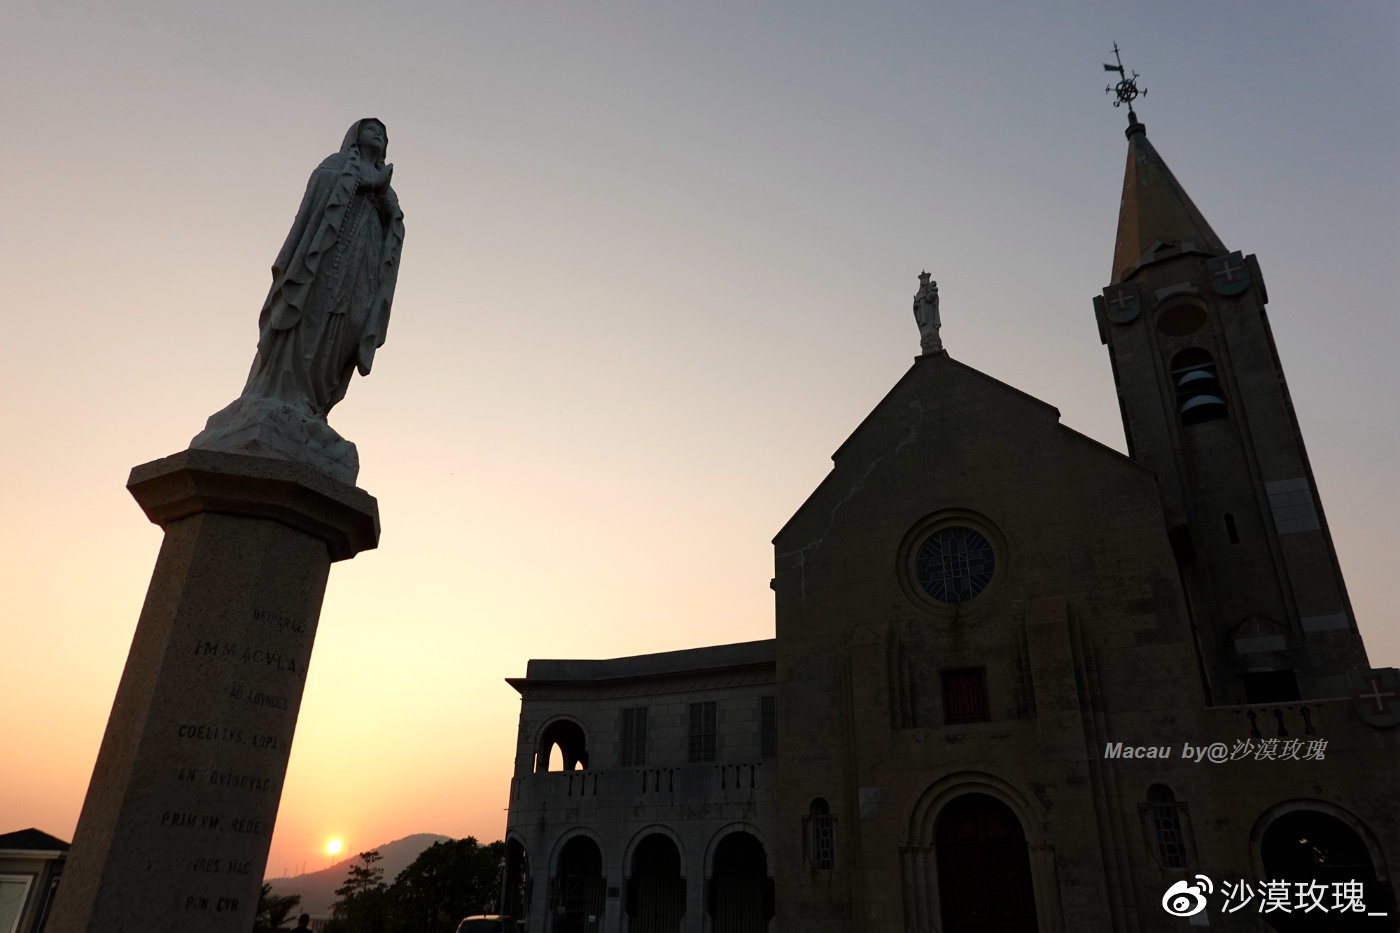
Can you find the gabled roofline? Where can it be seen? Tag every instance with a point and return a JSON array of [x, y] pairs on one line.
[[949, 360], [1117, 454], [32, 842], [943, 355]]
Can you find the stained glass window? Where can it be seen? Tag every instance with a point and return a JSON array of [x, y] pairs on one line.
[[954, 564]]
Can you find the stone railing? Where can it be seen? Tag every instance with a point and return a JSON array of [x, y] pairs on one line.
[[1288, 719], [714, 781]]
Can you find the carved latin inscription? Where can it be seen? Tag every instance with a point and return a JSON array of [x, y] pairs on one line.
[[250, 722]]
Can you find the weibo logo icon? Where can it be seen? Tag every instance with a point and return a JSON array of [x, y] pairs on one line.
[[1186, 900]]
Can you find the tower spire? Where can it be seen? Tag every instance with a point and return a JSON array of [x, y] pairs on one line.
[[1156, 218]]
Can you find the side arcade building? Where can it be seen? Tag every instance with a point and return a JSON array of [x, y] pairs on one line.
[[982, 618]]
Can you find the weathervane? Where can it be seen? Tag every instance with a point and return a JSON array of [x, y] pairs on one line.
[[1126, 90]]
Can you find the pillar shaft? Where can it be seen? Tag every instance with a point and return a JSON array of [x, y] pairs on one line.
[[175, 829]]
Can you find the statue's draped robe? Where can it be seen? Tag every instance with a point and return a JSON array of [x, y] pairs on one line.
[[332, 287]]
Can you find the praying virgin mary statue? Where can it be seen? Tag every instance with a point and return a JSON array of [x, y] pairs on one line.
[[326, 313]]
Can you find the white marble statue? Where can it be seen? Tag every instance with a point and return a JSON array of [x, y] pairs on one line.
[[333, 281], [326, 313]]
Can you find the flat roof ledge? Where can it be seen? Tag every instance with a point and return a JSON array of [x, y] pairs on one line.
[[689, 660]]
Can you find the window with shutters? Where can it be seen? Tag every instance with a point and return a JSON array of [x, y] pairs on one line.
[[633, 741], [821, 836], [767, 727], [965, 695], [704, 721]]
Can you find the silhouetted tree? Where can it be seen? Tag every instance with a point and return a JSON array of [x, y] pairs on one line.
[[273, 909], [362, 902], [448, 881]]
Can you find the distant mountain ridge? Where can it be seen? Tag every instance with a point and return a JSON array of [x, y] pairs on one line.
[[317, 888]]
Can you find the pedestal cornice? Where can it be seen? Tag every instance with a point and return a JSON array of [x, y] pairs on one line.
[[296, 494]]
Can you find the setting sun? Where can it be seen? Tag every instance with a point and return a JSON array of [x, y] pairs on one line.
[[333, 846]]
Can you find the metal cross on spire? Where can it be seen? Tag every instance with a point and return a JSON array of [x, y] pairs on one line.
[[1126, 90]]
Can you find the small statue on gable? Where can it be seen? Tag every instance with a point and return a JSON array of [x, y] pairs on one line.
[[926, 314]]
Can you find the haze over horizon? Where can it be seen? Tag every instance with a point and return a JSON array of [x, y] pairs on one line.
[[658, 265]]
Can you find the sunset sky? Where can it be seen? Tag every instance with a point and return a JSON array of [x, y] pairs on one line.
[[659, 263]]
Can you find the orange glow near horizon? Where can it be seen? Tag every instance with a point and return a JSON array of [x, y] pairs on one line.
[[659, 264]]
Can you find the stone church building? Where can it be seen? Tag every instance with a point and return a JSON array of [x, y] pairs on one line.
[[1008, 664]]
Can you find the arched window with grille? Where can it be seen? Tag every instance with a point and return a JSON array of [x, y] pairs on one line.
[[1166, 826], [578, 890], [740, 896], [821, 836]]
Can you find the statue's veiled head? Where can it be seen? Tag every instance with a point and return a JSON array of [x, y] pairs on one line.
[[368, 134]]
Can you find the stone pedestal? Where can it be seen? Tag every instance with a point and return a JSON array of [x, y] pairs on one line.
[[175, 829]]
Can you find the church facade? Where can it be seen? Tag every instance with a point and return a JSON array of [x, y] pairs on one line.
[[1019, 681]]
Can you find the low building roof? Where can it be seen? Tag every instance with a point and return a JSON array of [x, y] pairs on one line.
[[663, 664], [31, 840]]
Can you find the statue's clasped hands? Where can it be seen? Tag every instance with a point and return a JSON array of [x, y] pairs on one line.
[[376, 178]]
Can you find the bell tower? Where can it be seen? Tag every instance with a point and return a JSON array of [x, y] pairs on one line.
[[1205, 405]]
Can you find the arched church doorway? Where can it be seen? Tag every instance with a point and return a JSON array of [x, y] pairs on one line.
[[576, 903], [656, 890], [1312, 846], [984, 868], [741, 893]]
